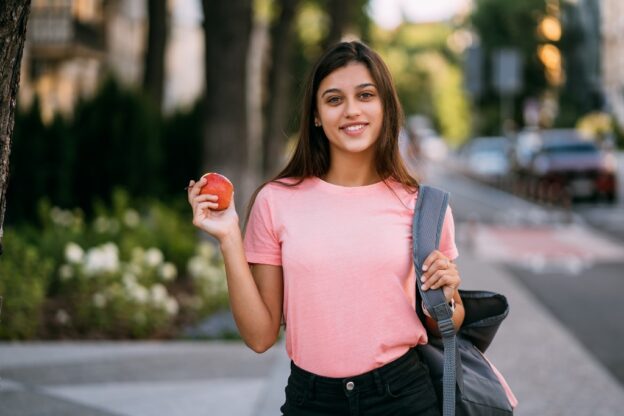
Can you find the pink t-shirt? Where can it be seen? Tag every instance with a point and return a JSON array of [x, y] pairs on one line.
[[349, 280]]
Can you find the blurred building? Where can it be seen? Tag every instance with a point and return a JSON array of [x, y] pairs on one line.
[[72, 45], [612, 15]]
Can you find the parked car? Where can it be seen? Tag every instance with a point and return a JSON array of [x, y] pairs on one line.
[[486, 158], [578, 167]]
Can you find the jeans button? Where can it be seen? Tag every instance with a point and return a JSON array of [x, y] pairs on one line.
[[350, 385]]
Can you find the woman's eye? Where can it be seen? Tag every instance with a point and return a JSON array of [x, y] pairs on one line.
[[333, 100], [366, 95]]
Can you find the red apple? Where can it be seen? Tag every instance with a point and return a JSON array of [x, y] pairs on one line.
[[218, 185]]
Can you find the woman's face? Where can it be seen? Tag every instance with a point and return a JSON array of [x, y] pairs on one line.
[[349, 109]]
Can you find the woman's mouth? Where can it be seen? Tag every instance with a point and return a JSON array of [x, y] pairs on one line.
[[354, 129]]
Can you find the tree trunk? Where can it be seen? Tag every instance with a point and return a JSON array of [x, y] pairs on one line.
[[13, 20], [341, 13], [154, 70], [227, 29], [280, 82]]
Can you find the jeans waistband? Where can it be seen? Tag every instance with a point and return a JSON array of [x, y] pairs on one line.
[[371, 380]]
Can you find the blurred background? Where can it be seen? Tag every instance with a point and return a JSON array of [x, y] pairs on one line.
[[516, 107]]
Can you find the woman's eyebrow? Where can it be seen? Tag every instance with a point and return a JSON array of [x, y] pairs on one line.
[[358, 87]]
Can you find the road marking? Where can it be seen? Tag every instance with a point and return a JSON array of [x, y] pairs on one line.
[[571, 248]]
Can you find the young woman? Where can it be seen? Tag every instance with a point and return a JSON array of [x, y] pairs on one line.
[[327, 251]]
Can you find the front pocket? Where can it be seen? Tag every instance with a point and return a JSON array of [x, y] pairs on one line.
[[415, 381]]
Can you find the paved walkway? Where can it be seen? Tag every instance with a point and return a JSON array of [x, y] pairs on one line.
[[550, 372]]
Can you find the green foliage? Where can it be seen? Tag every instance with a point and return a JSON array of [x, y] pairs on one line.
[[135, 270], [41, 163], [114, 139], [427, 75], [24, 277], [119, 143]]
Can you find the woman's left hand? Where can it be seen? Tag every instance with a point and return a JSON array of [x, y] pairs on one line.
[[440, 272]]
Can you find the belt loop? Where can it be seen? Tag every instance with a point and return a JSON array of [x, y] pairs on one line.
[[378, 382], [311, 383]]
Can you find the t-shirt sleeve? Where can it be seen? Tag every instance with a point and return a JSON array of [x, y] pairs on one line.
[[261, 243], [447, 239]]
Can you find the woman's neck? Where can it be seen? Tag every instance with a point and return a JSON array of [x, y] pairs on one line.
[[351, 173]]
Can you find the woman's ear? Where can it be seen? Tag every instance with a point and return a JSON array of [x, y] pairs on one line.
[[317, 120]]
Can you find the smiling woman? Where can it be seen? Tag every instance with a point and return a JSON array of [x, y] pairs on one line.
[[327, 251]]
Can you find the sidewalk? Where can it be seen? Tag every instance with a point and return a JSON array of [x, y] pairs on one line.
[[549, 371]]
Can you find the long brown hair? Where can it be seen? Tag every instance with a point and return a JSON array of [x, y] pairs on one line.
[[311, 156]]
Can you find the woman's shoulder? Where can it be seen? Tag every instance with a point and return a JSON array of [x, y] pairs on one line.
[[404, 193]]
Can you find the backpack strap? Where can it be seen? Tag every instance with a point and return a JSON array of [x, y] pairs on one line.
[[429, 214]]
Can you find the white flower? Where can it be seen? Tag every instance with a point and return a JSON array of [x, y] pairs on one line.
[[139, 293], [153, 257], [195, 266], [158, 293], [66, 272], [99, 300], [168, 271], [171, 306], [206, 249], [129, 280], [102, 259], [131, 218], [62, 217], [62, 317], [73, 252]]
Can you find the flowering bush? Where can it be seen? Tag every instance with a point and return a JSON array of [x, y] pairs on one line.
[[130, 272], [107, 295]]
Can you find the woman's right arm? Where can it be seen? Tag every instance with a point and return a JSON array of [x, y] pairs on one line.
[[256, 293]]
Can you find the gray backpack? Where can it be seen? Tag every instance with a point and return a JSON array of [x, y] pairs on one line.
[[464, 381]]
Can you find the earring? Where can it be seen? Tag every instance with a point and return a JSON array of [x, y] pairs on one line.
[[317, 123]]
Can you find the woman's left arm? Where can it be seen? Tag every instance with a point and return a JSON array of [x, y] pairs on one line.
[[441, 272]]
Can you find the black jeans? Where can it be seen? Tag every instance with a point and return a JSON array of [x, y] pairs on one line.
[[401, 388]]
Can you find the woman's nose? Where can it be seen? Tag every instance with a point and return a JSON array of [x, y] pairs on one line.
[[352, 108]]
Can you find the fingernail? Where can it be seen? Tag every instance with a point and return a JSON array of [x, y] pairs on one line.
[[422, 279], [425, 268]]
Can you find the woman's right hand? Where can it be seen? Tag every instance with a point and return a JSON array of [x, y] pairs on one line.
[[219, 224]]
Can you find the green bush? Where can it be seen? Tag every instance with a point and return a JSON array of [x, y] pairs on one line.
[[24, 275], [135, 270]]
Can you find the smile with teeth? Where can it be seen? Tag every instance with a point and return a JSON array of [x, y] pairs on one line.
[[355, 128]]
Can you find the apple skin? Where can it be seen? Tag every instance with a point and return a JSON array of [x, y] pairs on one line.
[[218, 185]]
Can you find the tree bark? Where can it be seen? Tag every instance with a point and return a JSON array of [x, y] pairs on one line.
[[227, 30], [13, 21], [154, 70], [279, 91], [341, 13]]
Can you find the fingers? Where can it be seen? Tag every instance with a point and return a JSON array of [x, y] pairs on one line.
[[207, 205], [442, 278], [434, 262], [439, 271], [433, 258]]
